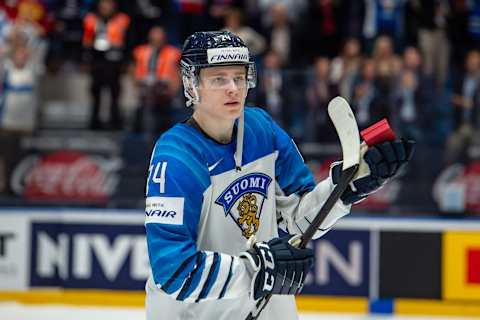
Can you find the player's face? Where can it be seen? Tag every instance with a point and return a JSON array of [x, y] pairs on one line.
[[222, 91]]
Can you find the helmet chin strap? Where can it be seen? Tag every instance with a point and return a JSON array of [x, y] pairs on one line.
[[239, 151], [240, 129]]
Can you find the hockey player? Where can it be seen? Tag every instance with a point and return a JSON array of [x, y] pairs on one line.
[[227, 175]]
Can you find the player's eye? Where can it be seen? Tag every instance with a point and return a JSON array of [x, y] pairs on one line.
[[240, 80], [219, 81]]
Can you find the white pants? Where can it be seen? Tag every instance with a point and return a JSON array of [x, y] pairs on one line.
[[160, 306]]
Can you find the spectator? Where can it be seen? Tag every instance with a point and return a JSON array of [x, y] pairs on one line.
[[387, 63], [73, 9], [104, 40], [10, 8], [353, 18], [279, 33], [387, 68], [458, 35], [234, 22], [384, 17], [294, 9], [65, 41], [412, 61], [192, 15], [219, 9], [466, 104], [365, 101], [21, 36], [272, 88], [18, 99], [432, 38], [323, 28], [5, 30], [319, 92], [345, 67], [35, 22], [409, 107], [197, 15], [34, 14], [474, 23], [158, 81], [146, 14]]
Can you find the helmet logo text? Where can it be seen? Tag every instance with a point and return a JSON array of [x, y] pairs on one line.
[[225, 55]]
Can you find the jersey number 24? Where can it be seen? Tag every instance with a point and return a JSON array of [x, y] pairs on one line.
[[157, 175]]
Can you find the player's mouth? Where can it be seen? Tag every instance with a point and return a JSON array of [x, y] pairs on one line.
[[232, 103]]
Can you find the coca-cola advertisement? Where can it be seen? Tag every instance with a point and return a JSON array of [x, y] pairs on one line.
[[66, 176]]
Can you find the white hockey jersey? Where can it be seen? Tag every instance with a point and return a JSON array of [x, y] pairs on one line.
[[200, 212]]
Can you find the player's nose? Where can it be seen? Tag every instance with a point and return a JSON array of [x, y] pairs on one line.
[[232, 86]]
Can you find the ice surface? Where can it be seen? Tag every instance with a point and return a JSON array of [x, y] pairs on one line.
[[15, 311]]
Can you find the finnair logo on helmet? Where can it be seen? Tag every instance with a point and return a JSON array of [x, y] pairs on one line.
[[223, 55]]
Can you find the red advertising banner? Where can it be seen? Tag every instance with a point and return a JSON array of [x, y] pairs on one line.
[[66, 176]]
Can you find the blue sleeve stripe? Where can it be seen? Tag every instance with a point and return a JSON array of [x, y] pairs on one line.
[[177, 272], [212, 275], [230, 272], [192, 280]]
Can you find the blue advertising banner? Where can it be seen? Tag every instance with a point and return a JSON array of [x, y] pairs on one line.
[[82, 255], [342, 264]]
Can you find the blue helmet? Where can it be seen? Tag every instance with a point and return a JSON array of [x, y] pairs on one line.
[[209, 49]]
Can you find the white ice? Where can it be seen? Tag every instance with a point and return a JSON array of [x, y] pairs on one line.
[[15, 311]]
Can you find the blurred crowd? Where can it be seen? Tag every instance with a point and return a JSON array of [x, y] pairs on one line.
[[416, 62]]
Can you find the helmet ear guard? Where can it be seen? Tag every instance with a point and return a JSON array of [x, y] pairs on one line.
[[251, 76], [190, 91], [190, 83]]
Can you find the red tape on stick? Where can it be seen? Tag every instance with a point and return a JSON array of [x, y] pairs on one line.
[[378, 133]]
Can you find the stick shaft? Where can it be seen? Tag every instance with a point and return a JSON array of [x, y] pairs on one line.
[[347, 176]]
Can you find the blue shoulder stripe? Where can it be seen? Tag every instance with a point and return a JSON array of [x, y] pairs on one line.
[[212, 275]]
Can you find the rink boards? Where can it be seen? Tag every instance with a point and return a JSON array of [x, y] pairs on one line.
[[367, 264]]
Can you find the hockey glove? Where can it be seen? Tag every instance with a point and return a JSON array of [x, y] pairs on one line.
[[277, 267], [384, 161]]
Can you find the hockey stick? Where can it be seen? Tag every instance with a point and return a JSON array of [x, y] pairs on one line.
[[347, 130]]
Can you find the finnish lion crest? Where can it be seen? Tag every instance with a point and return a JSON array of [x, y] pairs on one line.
[[248, 220], [243, 201]]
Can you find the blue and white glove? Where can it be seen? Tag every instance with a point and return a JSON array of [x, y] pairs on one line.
[[277, 267], [382, 162]]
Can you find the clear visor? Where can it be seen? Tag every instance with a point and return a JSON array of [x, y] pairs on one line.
[[224, 82]]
